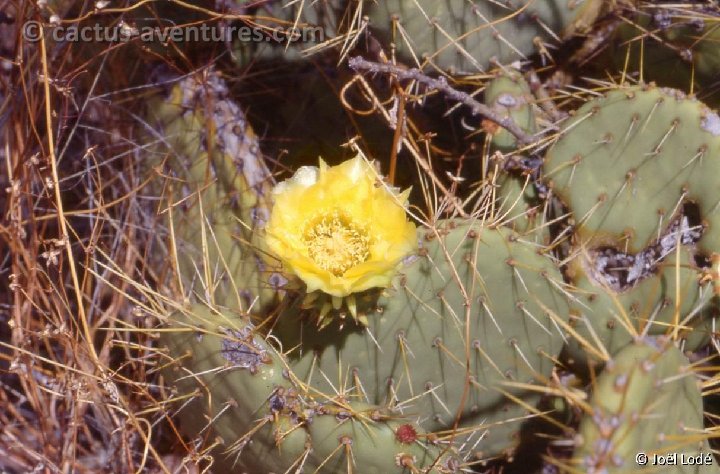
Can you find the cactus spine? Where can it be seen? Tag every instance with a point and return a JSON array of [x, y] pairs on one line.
[[647, 401]]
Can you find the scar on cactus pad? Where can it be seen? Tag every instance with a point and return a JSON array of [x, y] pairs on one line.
[[340, 231]]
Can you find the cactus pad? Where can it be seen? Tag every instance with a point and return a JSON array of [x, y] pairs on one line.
[[646, 401], [218, 191], [246, 395], [509, 95], [469, 314], [462, 36], [626, 164], [672, 302]]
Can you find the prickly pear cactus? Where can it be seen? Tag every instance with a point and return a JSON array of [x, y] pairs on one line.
[[266, 418], [637, 169], [216, 194], [673, 301], [627, 163], [456, 350], [450, 355], [287, 30], [509, 95], [474, 310], [681, 52], [645, 408], [463, 36]]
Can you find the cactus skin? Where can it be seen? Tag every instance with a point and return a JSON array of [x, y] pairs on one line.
[[224, 193], [456, 34], [509, 95], [682, 49], [626, 162], [282, 15], [625, 165], [519, 207], [249, 387], [420, 334], [647, 400], [234, 187], [648, 308]]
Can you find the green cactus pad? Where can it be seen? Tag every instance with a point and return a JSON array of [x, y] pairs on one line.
[[520, 208], [216, 192], [509, 95], [423, 342], [682, 49], [463, 36], [626, 163], [287, 30], [244, 394], [605, 320], [647, 401]]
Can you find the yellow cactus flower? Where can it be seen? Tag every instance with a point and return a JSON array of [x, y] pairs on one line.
[[338, 229]]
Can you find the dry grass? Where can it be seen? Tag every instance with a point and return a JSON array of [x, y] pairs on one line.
[[80, 289], [79, 389]]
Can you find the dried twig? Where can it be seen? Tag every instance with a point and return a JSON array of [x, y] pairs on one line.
[[360, 64]]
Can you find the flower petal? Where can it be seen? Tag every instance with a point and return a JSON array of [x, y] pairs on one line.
[[335, 211]]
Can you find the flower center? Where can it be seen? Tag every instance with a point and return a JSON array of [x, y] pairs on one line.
[[335, 242]]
